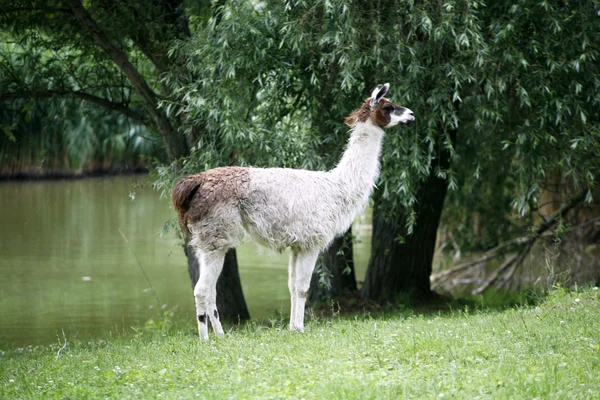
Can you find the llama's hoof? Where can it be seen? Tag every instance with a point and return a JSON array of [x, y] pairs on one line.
[[203, 334], [299, 329]]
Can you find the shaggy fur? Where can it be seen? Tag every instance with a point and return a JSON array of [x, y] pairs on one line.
[[381, 114], [213, 187], [280, 208]]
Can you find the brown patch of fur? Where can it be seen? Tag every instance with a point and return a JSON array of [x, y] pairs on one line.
[[359, 115], [195, 195], [364, 112]]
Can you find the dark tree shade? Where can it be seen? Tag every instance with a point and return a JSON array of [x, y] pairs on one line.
[[402, 263], [336, 278]]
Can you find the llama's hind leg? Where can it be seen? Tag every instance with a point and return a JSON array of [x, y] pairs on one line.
[[292, 285], [212, 311], [205, 292], [304, 267]]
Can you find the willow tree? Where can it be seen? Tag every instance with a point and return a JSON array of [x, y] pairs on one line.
[[256, 102], [110, 54], [537, 124], [430, 53], [519, 82]]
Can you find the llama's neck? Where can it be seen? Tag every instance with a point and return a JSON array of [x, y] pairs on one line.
[[359, 167]]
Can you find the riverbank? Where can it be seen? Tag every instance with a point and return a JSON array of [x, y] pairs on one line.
[[38, 175], [550, 350]]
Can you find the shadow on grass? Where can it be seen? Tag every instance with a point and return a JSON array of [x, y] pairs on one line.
[[352, 306]]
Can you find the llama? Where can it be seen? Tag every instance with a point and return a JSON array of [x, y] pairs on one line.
[[281, 207]]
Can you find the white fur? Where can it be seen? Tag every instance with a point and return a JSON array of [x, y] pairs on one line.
[[308, 209], [404, 118]]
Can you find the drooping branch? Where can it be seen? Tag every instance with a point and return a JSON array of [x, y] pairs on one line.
[[140, 34], [174, 16], [169, 16], [109, 105], [174, 143]]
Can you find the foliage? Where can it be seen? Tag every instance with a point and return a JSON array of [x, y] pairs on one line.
[[491, 85], [546, 351], [533, 120], [93, 54], [269, 83], [509, 90]]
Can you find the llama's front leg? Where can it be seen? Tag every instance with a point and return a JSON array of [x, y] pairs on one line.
[[205, 292], [305, 265]]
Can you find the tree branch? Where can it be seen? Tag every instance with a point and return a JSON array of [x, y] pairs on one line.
[[30, 9], [140, 35], [174, 143], [102, 102], [143, 43], [516, 260], [489, 255], [513, 261]]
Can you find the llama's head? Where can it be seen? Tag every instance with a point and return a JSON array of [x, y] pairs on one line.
[[380, 110]]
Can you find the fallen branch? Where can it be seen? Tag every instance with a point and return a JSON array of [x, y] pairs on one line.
[[514, 262], [489, 255]]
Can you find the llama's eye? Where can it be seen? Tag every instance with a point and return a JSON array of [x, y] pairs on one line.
[[388, 108]]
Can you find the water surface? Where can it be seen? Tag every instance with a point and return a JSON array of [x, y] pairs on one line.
[[64, 264]]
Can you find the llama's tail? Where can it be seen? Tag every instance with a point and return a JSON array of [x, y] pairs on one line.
[[181, 196]]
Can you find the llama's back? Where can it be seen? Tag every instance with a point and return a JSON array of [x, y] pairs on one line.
[[298, 208], [278, 207]]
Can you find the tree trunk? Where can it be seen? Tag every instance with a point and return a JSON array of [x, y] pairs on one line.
[[334, 261], [230, 297], [404, 266]]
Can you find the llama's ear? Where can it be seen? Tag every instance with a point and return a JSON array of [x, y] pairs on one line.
[[378, 93]]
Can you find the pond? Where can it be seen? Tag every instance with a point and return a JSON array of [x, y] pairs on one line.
[[73, 255]]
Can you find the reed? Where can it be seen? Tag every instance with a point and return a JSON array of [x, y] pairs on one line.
[[65, 138]]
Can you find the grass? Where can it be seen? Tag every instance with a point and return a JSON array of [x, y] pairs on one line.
[[547, 351]]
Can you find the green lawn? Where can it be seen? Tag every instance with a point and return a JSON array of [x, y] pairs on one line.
[[546, 351]]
